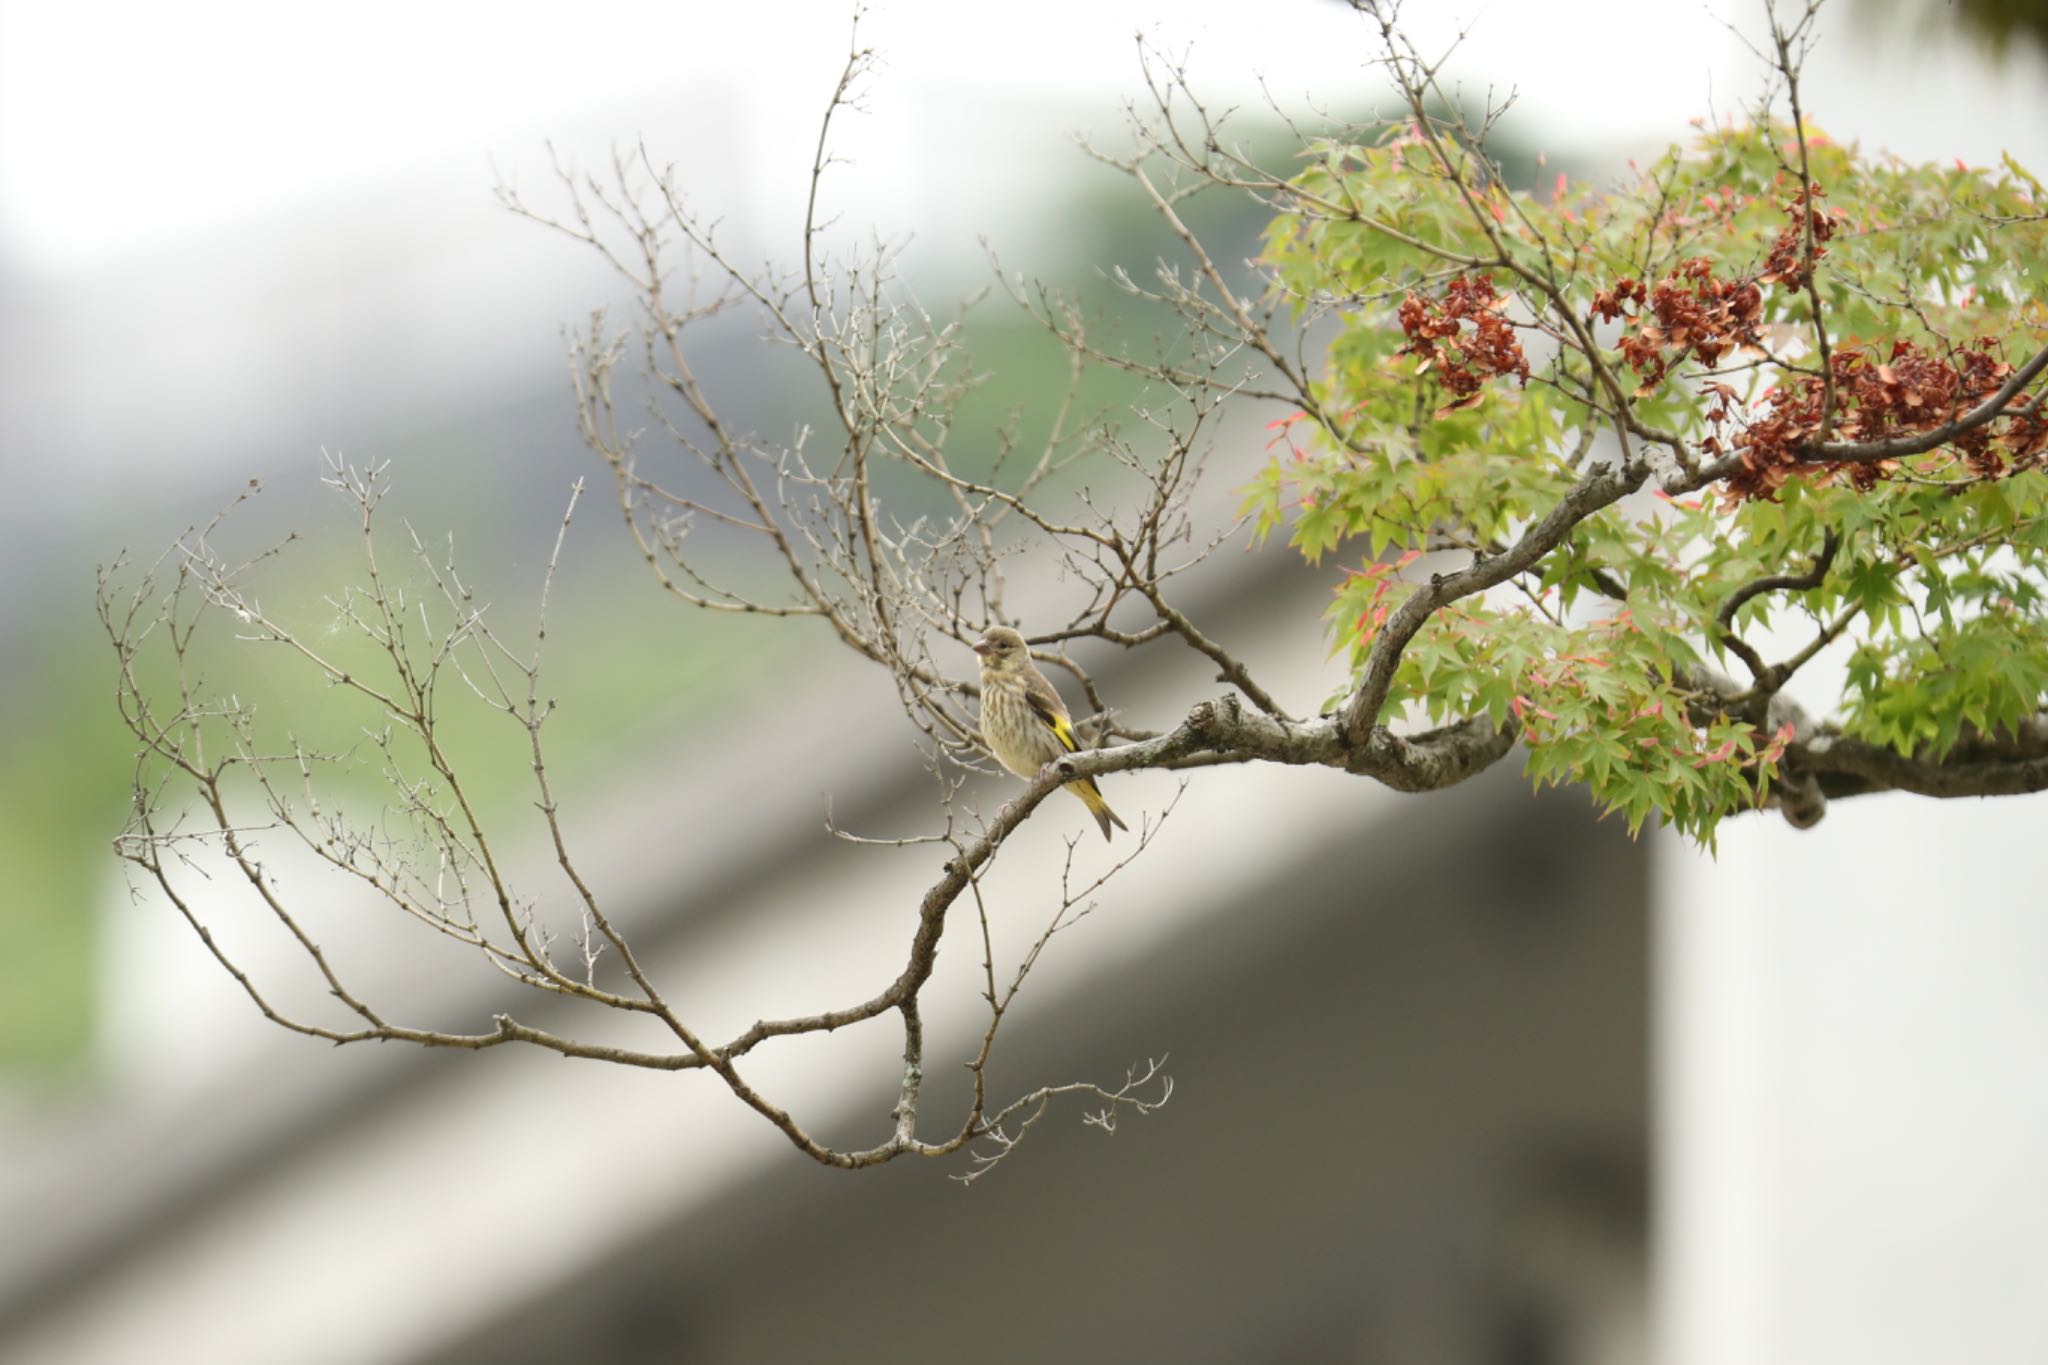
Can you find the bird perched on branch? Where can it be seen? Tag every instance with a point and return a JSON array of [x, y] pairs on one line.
[[1024, 721]]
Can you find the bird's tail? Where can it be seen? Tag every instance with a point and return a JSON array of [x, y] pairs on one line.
[[1091, 797]]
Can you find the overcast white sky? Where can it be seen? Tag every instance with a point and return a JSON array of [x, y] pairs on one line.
[[122, 123]]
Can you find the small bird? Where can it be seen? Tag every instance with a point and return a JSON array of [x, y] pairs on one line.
[[1024, 721]]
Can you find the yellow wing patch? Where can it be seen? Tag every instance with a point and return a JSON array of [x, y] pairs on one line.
[[1055, 722]]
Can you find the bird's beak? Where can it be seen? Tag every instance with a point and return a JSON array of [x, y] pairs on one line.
[[983, 648]]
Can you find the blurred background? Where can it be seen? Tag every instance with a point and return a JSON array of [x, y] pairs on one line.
[[1463, 1078]]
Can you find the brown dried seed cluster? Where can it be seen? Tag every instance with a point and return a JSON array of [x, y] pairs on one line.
[[1464, 338], [1690, 312], [1910, 391], [1787, 265]]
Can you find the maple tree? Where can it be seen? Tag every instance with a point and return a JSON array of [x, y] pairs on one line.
[[1607, 473], [1774, 394]]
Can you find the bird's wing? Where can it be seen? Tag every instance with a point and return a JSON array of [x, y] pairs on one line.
[[1046, 705]]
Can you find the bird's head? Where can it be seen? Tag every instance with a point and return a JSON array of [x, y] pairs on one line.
[[1001, 648]]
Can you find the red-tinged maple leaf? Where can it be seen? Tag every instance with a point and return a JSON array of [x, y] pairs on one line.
[[1775, 750]]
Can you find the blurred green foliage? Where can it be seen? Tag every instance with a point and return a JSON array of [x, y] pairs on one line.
[[1999, 23], [62, 793], [623, 663]]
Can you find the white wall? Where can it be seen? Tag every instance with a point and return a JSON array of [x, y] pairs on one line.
[[1853, 1104]]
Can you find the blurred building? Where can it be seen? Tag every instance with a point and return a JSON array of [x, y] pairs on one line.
[[1410, 1122]]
